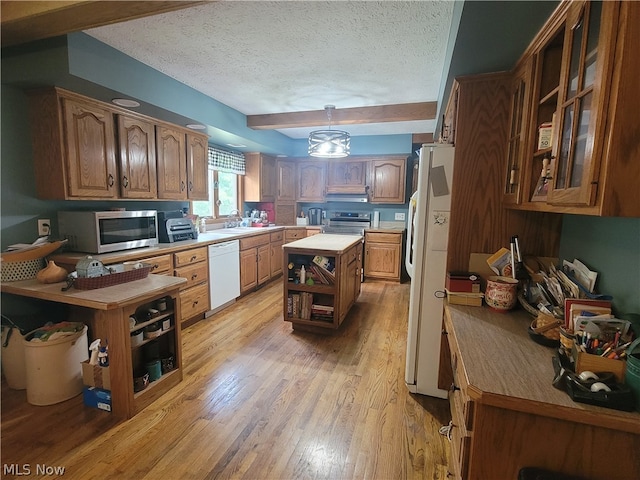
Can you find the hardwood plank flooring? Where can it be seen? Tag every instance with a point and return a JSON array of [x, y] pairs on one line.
[[258, 401]]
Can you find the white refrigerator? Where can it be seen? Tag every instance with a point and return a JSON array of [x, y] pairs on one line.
[[426, 262]]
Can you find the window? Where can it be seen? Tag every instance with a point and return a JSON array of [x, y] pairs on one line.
[[225, 193]]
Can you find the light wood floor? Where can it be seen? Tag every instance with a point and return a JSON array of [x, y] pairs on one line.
[[258, 402]]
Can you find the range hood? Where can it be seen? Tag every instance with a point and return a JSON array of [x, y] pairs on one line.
[[347, 197]]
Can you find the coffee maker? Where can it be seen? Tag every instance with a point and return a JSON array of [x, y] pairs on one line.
[[315, 216]]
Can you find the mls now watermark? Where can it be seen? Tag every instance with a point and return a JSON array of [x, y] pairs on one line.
[[27, 469]]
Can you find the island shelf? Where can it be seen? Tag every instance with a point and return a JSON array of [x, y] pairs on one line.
[[319, 300]]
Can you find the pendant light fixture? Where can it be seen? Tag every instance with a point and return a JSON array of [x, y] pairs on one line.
[[329, 143]]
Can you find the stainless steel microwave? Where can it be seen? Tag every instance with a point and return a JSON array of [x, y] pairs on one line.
[[102, 232]]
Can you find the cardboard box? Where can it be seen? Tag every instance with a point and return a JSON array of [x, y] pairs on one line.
[[97, 398], [95, 376], [464, 282], [467, 299], [545, 135]]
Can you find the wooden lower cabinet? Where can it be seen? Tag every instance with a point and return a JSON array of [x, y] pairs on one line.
[[162, 264], [194, 301], [383, 255], [292, 234], [506, 414], [255, 266], [193, 265], [275, 246]]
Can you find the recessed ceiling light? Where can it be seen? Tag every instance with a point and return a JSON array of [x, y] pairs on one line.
[[196, 126], [125, 102], [236, 145]]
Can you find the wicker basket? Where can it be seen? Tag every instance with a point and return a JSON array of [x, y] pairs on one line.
[[91, 283], [22, 270], [547, 325]]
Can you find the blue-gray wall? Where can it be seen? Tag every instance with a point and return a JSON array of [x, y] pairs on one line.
[[611, 247]]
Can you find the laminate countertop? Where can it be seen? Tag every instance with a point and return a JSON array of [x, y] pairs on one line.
[[107, 298], [505, 368]]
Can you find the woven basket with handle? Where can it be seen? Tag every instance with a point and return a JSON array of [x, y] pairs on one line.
[[547, 325]]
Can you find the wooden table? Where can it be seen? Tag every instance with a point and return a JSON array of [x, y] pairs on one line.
[[106, 311], [335, 292], [507, 415]]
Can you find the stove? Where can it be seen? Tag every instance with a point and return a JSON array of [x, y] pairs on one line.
[[347, 223]]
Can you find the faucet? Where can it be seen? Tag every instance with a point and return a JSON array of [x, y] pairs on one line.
[[234, 219]]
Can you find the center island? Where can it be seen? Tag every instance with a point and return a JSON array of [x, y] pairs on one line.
[[321, 281]]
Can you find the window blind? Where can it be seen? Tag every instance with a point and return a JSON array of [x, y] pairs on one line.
[[226, 161]]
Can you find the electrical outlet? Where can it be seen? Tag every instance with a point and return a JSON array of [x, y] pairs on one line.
[[44, 226], [399, 215]]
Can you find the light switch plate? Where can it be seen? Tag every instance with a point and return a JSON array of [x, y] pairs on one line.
[[399, 215]]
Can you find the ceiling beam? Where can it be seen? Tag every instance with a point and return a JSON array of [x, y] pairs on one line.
[[405, 112], [26, 21]]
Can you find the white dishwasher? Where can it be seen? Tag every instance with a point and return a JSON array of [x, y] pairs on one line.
[[224, 275]]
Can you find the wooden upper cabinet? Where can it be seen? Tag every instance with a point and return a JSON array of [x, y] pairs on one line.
[[137, 142], [311, 181], [587, 60], [197, 166], [388, 180], [74, 146], [85, 149], [450, 118], [585, 86], [172, 163], [260, 179], [347, 176], [286, 181], [90, 149], [517, 146]]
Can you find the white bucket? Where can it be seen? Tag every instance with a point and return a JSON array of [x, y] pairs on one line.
[[13, 364], [54, 373]]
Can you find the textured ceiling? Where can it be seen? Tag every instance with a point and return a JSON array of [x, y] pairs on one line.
[[263, 57]]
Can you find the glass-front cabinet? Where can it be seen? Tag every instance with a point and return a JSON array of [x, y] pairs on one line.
[[582, 108], [573, 141]]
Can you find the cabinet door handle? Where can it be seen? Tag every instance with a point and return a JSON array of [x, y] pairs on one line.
[[182, 186], [125, 181], [191, 186], [111, 181], [453, 387]]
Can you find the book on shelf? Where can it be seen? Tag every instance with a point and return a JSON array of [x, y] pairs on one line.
[[321, 275], [295, 305], [306, 300], [323, 308]]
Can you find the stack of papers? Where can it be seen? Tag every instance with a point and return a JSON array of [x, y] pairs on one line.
[[581, 273]]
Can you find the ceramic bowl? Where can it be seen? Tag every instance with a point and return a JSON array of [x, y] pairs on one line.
[[501, 293]]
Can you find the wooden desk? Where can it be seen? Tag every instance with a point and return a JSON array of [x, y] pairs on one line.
[[106, 311], [507, 415]]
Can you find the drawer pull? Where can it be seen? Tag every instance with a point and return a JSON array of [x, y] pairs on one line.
[[195, 303], [193, 258], [194, 276], [155, 266]]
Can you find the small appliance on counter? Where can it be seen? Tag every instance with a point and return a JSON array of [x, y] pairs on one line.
[[173, 227], [315, 216]]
